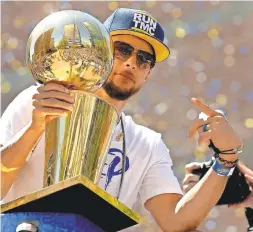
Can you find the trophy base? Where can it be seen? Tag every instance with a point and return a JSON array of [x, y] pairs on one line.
[[77, 195]]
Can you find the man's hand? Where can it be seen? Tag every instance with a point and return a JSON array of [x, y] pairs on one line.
[[248, 202], [52, 100], [174, 213], [219, 131], [190, 180]]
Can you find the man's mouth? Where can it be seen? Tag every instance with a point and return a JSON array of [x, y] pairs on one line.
[[126, 75]]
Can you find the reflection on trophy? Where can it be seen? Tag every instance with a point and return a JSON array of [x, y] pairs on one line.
[[74, 49]]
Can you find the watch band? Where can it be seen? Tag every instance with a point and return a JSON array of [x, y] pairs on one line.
[[221, 170]]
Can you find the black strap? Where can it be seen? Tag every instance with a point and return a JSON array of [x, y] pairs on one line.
[[249, 216], [123, 158], [215, 149]]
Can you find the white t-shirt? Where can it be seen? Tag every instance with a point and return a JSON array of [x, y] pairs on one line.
[[147, 171]]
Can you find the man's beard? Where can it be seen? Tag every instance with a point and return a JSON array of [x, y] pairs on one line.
[[117, 93]]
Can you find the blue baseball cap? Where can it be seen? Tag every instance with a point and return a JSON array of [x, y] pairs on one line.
[[125, 21]]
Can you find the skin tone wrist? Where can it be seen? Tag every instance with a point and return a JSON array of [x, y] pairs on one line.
[[36, 127]]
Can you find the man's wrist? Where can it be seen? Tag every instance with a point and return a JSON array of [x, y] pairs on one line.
[[36, 127], [222, 170]]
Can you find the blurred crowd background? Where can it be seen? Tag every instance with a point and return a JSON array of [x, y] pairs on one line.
[[211, 44]]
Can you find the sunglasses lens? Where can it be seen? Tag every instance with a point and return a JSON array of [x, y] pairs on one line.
[[123, 51], [144, 59]]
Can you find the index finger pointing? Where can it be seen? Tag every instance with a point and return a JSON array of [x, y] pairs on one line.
[[204, 108]]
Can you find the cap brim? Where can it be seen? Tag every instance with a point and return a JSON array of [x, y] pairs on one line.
[[161, 50]]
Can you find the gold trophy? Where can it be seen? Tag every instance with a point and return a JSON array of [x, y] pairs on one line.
[[74, 49]]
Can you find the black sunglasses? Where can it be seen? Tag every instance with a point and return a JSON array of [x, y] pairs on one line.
[[123, 51]]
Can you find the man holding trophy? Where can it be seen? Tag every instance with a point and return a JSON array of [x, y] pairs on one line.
[[137, 167]]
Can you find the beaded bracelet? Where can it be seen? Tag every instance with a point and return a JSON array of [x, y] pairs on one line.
[[224, 161], [225, 152]]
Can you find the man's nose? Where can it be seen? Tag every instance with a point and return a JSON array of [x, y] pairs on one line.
[[131, 61]]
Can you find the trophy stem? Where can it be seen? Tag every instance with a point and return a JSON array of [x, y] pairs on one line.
[[78, 144]]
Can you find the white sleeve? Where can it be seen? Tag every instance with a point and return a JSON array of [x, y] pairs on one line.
[[17, 115], [159, 178]]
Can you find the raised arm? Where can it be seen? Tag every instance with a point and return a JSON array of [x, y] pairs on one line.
[[52, 100], [175, 213]]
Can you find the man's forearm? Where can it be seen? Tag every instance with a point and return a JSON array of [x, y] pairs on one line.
[[175, 213], [14, 154], [196, 204]]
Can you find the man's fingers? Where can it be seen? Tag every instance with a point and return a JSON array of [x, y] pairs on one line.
[[54, 103], [244, 169], [195, 127], [46, 111], [192, 166], [55, 95], [205, 137], [53, 86], [200, 122], [189, 186], [204, 108], [190, 178], [207, 128], [249, 178]]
